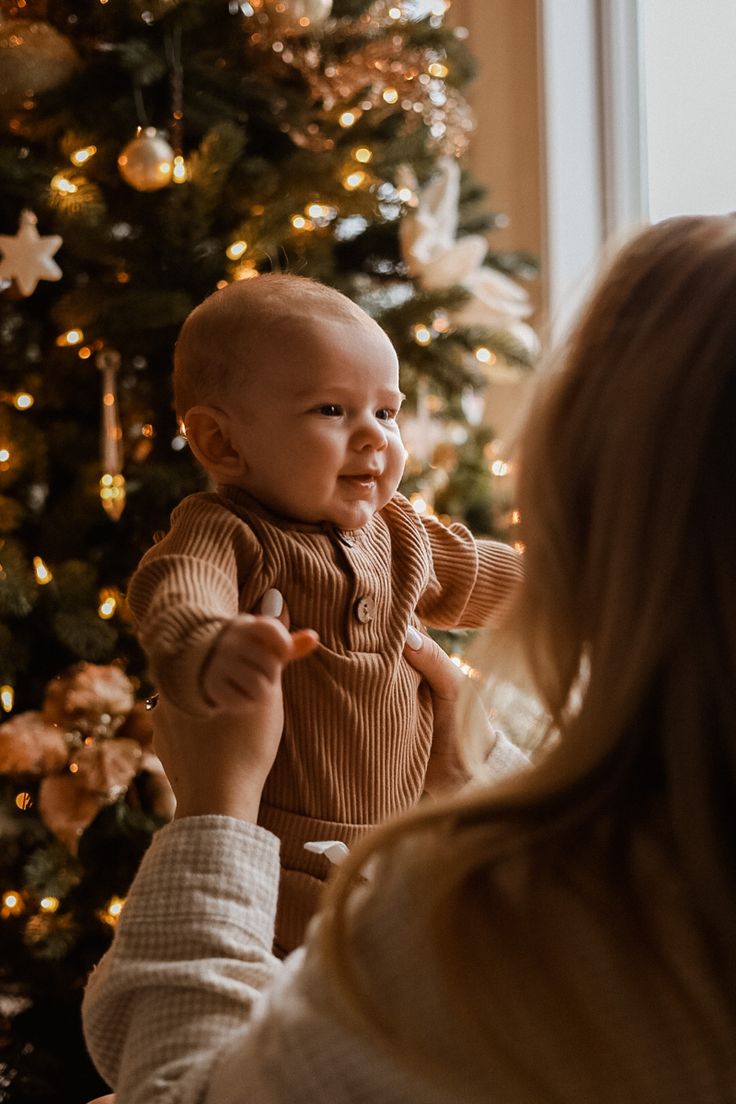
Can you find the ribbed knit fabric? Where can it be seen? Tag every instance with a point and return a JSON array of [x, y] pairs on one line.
[[358, 723]]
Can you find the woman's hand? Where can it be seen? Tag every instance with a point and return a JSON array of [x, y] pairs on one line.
[[219, 764], [447, 769]]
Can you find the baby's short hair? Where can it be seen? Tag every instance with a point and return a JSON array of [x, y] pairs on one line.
[[215, 342]]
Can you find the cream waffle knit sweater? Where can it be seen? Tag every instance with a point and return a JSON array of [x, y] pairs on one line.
[[358, 723], [190, 1007]]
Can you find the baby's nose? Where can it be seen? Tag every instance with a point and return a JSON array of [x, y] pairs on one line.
[[370, 434]]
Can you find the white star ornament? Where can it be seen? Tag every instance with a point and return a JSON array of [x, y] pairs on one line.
[[26, 257]]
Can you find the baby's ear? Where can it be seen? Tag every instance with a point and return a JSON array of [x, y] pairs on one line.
[[210, 439]]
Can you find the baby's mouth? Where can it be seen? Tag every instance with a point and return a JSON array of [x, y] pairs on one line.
[[361, 479]]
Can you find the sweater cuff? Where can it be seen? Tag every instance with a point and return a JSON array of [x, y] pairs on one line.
[[209, 867], [181, 676]]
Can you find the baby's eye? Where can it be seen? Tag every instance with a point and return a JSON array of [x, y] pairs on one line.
[[385, 414], [330, 410]]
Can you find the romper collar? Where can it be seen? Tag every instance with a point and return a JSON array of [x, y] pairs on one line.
[[240, 499]]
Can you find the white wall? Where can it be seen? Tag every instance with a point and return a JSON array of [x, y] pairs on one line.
[[689, 52]]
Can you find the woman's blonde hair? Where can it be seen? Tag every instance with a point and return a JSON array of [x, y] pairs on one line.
[[626, 624]]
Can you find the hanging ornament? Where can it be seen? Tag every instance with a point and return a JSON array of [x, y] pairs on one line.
[[295, 17], [179, 171], [34, 57], [437, 258], [147, 162], [112, 480], [26, 257]]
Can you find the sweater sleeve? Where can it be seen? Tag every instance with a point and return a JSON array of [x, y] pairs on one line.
[[472, 581], [188, 1005], [191, 954], [185, 590]]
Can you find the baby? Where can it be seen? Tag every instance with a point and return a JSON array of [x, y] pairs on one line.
[[290, 394]]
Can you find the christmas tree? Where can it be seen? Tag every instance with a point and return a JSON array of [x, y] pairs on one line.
[[150, 151]]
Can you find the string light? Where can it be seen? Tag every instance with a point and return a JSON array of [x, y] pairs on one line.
[[466, 669], [406, 195], [437, 69], [246, 270], [22, 401], [4, 458], [500, 468], [395, 13], [7, 698], [484, 355], [12, 903], [40, 570], [62, 185], [362, 154], [111, 912], [112, 494], [70, 337], [108, 604], [390, 95], [82, 156], [84, 353], [354, 180], [322, 213], [48, 904], [421, 334], [23, 800], [348, 119], [236, 250], [179, 173], [421, 506]]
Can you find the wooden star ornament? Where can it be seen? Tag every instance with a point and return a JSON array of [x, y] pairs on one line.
[[26, 257]]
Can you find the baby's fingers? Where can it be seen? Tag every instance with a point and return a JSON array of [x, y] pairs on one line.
[[249, 636], [246, 685], [303, 642]]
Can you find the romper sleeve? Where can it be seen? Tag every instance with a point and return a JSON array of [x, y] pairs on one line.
[[186, 588], [471, 581]]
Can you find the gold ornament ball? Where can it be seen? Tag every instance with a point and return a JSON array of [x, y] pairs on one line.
[[294, 17], [147, 161], [34, 57]]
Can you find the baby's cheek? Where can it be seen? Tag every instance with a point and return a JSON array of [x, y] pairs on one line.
[[399, 456]]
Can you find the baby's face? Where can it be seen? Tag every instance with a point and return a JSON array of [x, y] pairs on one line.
[[318, 430]]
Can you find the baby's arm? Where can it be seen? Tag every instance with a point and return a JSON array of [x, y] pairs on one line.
[[184, 596], [473, 580]]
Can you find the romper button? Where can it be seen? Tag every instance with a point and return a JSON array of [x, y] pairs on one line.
[[365, 608]]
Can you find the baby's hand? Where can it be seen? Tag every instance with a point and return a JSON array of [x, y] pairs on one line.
[[248, 656]]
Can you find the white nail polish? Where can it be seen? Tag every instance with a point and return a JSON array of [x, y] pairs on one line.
[[413, 638], [272, 603]]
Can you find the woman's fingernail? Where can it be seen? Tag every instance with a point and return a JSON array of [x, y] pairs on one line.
[[413, 638], [272, 603]]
